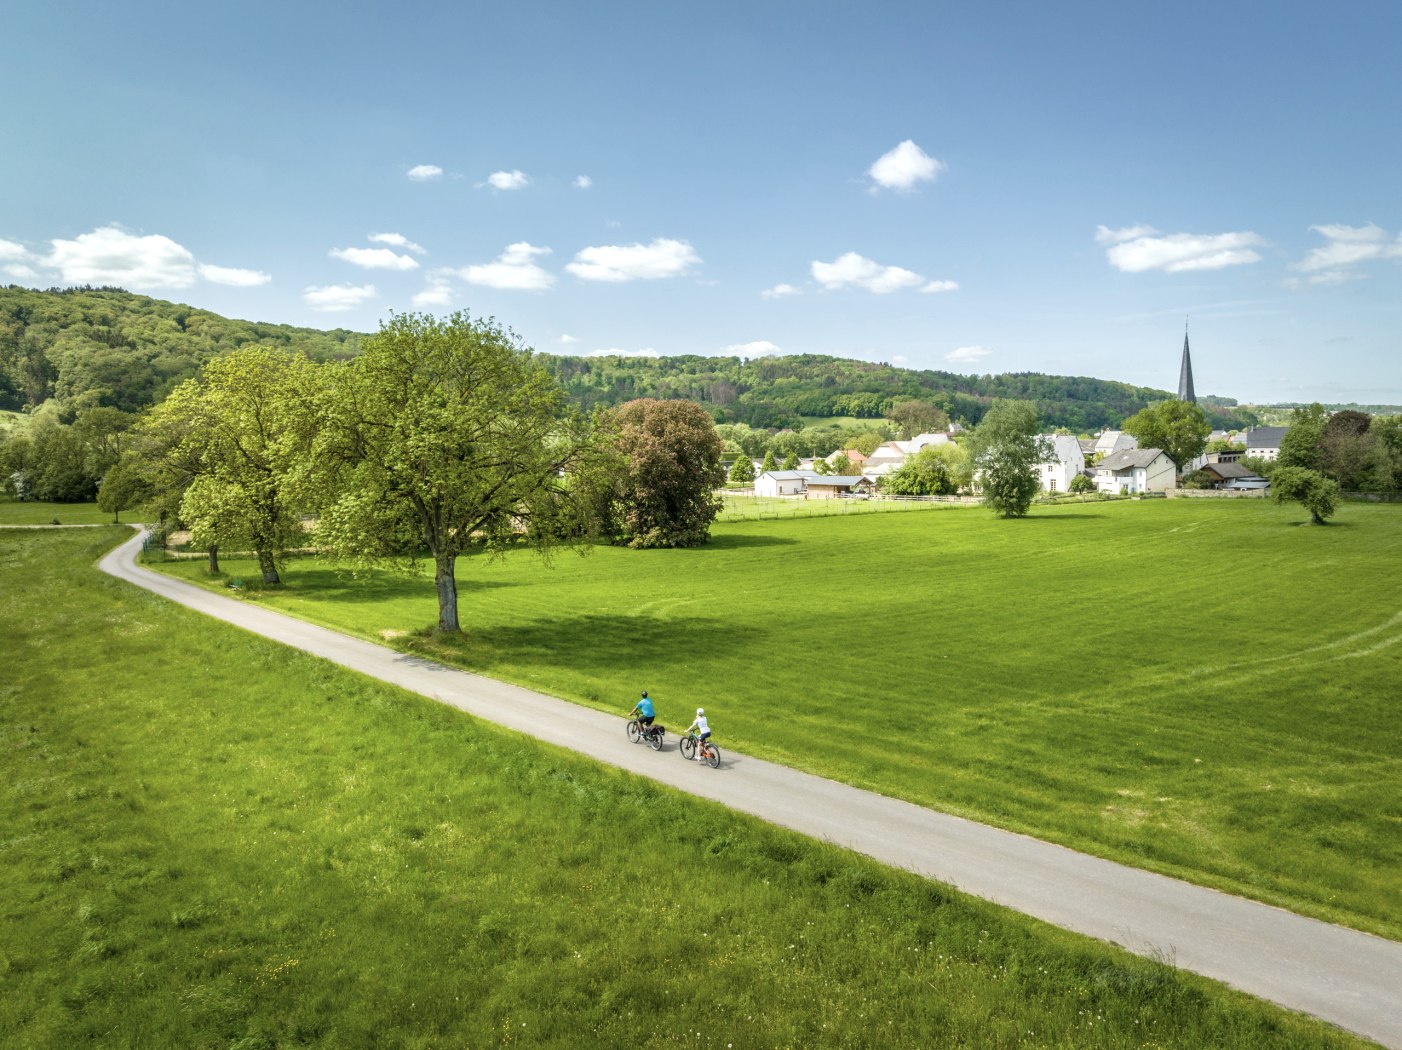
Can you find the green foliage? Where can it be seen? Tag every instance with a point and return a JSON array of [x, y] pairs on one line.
[[936, 470], [769, 464], [1005, 451], [1303, 443], [915, 417], [1309, 488], [1177, 427], [445, 434], [742, 471], [301, 855], [1082, 483], [791, 461], [123, 487], [90, 347], [670, 469]]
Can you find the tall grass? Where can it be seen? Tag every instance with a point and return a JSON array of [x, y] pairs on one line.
[[211, 841], [1206, 689]]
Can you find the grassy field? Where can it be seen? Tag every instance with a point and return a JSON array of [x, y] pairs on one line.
[[1207, 689], [12, 513], [766, 508], [211, 841]]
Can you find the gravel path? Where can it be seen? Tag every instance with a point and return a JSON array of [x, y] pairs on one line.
[[1351, 979]]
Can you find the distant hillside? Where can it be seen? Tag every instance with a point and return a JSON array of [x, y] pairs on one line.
[[103, 346], [90, 347], [779, 391]]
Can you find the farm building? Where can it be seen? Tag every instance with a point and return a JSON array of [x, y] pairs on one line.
[[1136, 470], [783, 482], [830, 485]]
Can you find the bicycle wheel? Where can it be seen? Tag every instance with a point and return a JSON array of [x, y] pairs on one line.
[[634, 731], [654, 739], [687, 747], [712, 756]]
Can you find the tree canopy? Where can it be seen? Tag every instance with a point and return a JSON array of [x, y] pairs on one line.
[[1005, 450], [1177, 427]]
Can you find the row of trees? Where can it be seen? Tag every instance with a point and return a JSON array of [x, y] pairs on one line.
[[443, 435]]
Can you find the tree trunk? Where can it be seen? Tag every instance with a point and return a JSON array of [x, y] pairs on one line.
[[214, 559], [266, 563], [447, 584]]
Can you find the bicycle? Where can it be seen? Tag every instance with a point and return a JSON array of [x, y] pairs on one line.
[[653, 734], [710, 754]]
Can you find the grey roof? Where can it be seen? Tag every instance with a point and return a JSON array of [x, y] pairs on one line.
[[1185, 375], [836, 479], [1265, 437], [1087, 445], [1230, 470], [1130, 458], [791, 475]]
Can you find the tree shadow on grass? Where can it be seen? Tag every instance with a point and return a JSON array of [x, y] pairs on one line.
[[341, 585], [745, 539], [598, 644]]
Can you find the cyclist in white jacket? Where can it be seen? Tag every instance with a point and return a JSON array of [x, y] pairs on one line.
[[703, 730]]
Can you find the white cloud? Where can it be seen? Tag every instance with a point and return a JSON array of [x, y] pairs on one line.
[[425, 172], [568, 339], [110, 255], [18, 271], [10, 251], [14, 259], [1105, 235], [438, 292], [780, 291], [397, 240], [967, 354], [233, 276], [645, 352], [508, 180], [759, 348], [899, 359], [1182, 252], [857, 271], [338, 297], [514, 269], [634, 262], [1347, 247], [582, 182], [375, 258], [903, 167]]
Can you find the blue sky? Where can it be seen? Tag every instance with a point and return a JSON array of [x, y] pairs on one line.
[[976, 187]]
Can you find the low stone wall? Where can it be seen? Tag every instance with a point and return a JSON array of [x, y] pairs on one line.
[[1217, 493]]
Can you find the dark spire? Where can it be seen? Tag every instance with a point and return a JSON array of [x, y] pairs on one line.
[[1185, 374]]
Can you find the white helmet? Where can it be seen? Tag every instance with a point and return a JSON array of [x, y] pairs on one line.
[[699, 712]]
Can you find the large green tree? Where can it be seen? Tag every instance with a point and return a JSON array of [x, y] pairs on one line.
[[912, 417], [742, 471], [936, 470], [1303, 443], [243, 430], [444, 434], [1177, 427], [663, 489], [1005, 451]]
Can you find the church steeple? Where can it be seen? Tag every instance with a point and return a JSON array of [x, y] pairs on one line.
[[1185, 374]]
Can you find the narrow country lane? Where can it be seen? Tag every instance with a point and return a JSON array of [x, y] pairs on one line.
[[1348, 978]]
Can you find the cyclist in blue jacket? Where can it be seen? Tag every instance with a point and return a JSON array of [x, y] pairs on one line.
[[644, 710]]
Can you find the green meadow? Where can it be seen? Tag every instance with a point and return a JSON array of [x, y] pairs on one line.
[[208, 840], [32, 513], [1202, 688]]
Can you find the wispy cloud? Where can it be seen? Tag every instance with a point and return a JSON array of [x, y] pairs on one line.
[[337, 298], [508, 180], [514, 269], [1346, 248], [781, 291], [582, 182], [634, 262], [233, 276], [967, 354], [15, 259], [1136, 249], [567, 339], [851, 270], [424, 172], [759, 348], [647, 351], [903, 168], [375, 258], [438, 292], [396, 240]]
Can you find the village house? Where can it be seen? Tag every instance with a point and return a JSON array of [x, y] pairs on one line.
[[1264, 442], [1233, 476], [783, 482], [1067, 461], [1108, 442], [1136, 470]]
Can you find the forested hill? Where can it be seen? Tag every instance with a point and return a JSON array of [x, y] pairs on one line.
[[778, 391], [91, 347]]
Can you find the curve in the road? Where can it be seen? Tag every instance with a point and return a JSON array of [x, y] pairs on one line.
[[1343, 976]]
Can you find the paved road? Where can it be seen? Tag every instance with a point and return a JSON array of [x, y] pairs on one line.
[[1351, 979]]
